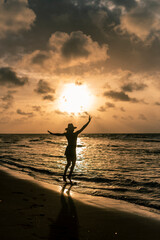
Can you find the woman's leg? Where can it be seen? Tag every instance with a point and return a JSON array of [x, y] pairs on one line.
[[66, 168], [72, 168]]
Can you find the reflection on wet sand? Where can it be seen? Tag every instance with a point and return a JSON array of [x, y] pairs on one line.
[[66, 224]]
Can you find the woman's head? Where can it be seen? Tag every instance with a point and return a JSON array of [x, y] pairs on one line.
[[70, 127]]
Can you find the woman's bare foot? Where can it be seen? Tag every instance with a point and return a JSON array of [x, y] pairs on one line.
[[69, 177], [64, 178]]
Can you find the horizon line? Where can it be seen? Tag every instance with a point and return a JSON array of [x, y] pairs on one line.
[[95, 133]]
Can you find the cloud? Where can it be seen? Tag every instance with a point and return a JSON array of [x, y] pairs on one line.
[[43, 87], [69, 16], [64, 21], [78, 45], [39, 57], [115, 116], [125, 3], [109, 105], [130, 87], [20, 112], [122, 109], [10, 79], [142, 117], [60, 113], [49, 97], [106, 106], [96, 20], [130, 117], [7, 100], [119, 96], [143, 20], [102, 109], [38, 109], [15, 16], [66, 52], [127, 118], [53, 16], [157, 103]]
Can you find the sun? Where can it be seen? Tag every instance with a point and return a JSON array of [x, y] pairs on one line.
[[75, 99]]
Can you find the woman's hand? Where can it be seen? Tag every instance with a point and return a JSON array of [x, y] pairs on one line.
[[89, 119]]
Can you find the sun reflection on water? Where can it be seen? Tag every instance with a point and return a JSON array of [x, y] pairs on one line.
[[81, 148]]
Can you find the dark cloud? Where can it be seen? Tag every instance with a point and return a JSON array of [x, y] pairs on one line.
[[125, 3], [20, 112], [130, 87], [63, 16], [39, 58], [75, 46], [119, 96], [66, 16], [43, 87], [49, 98], [10, 79], [99, 22], [15, 16], [74, 49], [142, 20]]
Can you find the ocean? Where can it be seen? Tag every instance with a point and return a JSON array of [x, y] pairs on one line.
[[117, 166]]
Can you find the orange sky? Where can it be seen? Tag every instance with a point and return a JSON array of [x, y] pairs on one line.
[[112, 48]]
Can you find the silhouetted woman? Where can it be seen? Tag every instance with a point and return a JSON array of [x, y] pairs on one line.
[[71, 148]]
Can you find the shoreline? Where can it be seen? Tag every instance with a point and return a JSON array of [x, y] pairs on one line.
[[34, 210], [96, 201]]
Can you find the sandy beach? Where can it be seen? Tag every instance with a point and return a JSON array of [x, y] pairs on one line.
[[32, 211]]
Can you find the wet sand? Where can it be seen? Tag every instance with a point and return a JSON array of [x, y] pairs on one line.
[[29, 211]]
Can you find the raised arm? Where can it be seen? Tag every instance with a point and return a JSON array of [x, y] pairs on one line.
[[56, 134], [80, 130]]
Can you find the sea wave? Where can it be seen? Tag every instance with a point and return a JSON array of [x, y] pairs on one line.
[[33, 169], [52, 156], [35, 140], [131, 199], [55, 143], [23, 145], [9, 158], [129, 137]]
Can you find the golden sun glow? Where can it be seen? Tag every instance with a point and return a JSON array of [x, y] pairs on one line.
[[75, 99]]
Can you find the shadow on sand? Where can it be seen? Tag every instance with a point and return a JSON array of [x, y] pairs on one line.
[[66, 225]]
